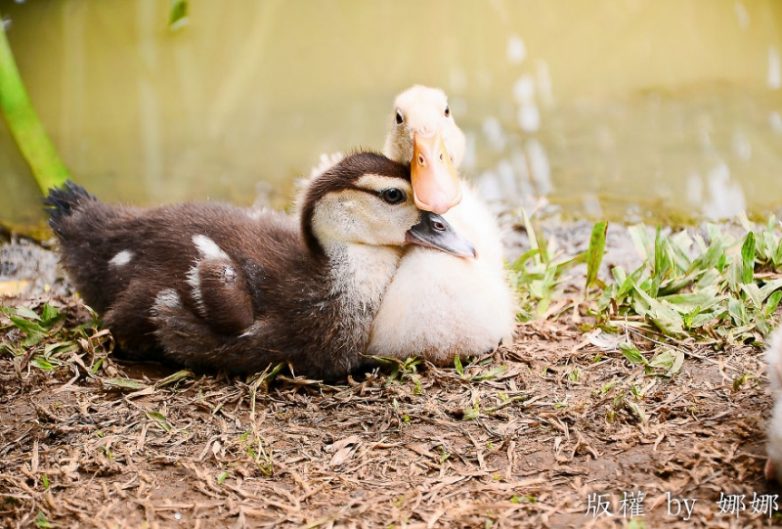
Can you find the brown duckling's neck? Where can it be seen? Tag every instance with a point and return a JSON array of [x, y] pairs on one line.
[[360, 275]]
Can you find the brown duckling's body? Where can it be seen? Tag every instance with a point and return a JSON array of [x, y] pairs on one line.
[[211, 286]]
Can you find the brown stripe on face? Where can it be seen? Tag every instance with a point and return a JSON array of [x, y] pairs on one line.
[[375, 183], [344, 175]]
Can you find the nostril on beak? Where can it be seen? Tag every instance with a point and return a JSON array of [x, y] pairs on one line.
[[438, 226], [421, 160]]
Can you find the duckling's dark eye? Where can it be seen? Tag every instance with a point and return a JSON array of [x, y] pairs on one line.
[[393, 195], [399, 118], [447, 111]]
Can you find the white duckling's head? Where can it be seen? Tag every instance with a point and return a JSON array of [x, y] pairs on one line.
[[424, 134], [366, 199]]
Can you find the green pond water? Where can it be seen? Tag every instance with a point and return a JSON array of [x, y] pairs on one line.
[[623, 109]]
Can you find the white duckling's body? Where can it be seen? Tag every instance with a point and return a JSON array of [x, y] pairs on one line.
[[774, 443], [439, 306]]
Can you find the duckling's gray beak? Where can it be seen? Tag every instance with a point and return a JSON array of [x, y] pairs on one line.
[[434, 232]]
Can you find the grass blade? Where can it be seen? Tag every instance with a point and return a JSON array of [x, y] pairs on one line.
[[748, 258], [595, 252], [23, 122], [174, 378]]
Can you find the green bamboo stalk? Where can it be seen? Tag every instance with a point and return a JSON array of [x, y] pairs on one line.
[[23, 122]]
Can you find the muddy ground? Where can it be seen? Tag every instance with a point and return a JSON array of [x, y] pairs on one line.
[[520, 438]]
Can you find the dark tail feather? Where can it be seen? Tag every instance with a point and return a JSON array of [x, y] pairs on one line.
[[63, 201]]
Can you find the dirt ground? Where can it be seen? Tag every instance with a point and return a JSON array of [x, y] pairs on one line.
[[520, 438]]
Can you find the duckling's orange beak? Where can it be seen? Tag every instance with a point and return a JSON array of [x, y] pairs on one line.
[[435, 180]]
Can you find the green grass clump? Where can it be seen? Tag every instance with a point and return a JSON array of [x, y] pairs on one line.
[[46, 338], [702, 284], [708, 286], [538, 275], [705, 286]]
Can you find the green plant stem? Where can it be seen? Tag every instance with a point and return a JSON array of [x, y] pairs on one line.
[[23, 122]]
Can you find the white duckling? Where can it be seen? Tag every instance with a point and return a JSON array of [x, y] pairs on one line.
[[774, 445], [439, 306]]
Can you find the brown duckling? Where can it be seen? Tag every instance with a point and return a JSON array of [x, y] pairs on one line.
[[218, 287]]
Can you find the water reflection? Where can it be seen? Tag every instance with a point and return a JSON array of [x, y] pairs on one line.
[[774, 74], [718, 196], [621, 109]]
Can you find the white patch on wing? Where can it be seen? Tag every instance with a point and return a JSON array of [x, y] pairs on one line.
[[208, 248], [165, 299], [194, 280], [122, 258]]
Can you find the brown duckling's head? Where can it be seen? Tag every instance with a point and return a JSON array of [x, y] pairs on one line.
[[367, 199]]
